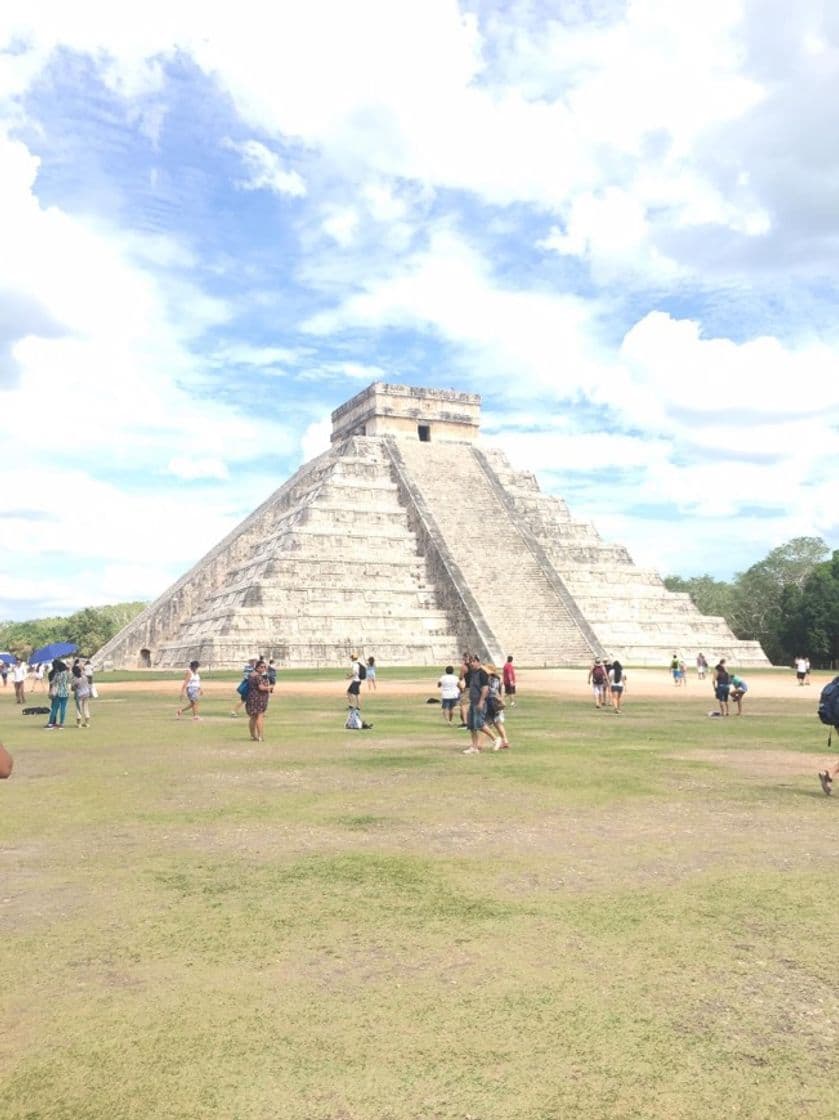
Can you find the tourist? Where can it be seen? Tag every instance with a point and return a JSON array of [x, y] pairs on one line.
[[806, 670], [371, 674], [59, 681], [801, 664], [675, 669], [464, 689], [449, 692], [38, 681], [242, 686], [272, 673], [701, 666], [80, 687], [722, 686], [19, 672], [509, 674], [354, 676], [259, 691], [617, 685], [191, 690], [4, 672], [478, 686], [598, 678], [495, 710], [6, 763], [739, 688]]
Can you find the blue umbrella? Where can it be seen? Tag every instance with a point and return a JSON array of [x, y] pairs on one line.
[[50, 652], [8, 658]]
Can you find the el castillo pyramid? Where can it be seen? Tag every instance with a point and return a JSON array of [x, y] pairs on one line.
[[410, 540]]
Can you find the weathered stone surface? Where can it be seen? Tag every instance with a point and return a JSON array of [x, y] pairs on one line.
[[410, 541]]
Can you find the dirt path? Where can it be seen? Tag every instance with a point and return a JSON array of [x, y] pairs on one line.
[[777, 685]]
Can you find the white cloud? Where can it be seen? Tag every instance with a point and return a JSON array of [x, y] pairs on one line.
[[197, 467], [266, 172]]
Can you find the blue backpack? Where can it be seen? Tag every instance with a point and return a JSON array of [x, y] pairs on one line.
[[829, 707], [243, 688]]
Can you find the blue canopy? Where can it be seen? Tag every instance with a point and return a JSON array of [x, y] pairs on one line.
[[50, 652], [8, 658]]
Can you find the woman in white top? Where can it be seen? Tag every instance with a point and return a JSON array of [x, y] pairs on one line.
[[191, 690]]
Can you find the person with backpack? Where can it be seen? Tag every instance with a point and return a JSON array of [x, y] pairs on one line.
[[495, 710], [828, 712], [598, 678], [722, 685], [617, 685]]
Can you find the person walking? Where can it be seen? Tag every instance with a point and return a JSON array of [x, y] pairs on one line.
[[509, 676], [722, 686], [59, 681], [191, 690], [80, 687], [617, 685], [701, 666], [598, 679], [256, 704], [495, 710]]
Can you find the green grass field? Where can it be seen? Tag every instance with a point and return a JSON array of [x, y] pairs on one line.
[[630, 917]]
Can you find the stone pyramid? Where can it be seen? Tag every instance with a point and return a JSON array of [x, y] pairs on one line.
[[410, 541]]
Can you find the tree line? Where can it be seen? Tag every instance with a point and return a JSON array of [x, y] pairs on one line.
[[89, 628], [789, 602]]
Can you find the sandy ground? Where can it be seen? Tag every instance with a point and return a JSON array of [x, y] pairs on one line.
[[780, 684]]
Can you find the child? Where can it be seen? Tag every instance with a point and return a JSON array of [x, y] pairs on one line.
[[449, 692], [371, 674], [495, 710]]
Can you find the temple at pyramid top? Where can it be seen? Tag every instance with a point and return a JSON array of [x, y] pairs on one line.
[[410, 540], [427, 415]]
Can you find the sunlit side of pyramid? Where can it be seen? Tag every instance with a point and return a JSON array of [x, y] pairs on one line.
[[410, 540]]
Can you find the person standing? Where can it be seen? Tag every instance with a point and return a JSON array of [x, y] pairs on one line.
[[509, 675], [722, 686], [4, 672], [701, 666], [19, 673], [674, 669], [371, 674], [191, 690], [59, 680], [478, 685], [354, 676], [256, 704], [38, 682], [449, 692], [81, 692], [617, 685], [801, 664], [463, 680]]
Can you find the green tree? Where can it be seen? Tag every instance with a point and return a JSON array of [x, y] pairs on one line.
[[710, 596], [88, 628], [811, 624], [759, 605]]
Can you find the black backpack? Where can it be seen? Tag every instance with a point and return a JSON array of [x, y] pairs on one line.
[[362, 671], [829, 707]]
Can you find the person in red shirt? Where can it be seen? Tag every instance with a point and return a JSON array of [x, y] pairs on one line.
[[509, 677]]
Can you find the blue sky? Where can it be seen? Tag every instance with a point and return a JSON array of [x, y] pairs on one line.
[[617, 222]]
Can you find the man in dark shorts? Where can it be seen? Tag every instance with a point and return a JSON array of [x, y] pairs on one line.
[[478, 685], [722, 686]]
